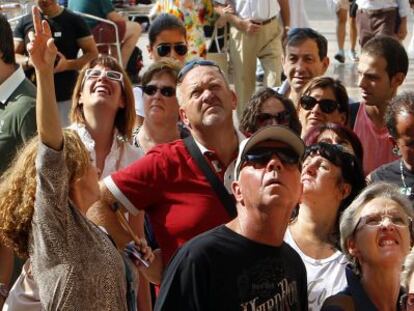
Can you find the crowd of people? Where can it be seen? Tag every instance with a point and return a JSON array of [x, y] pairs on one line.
[[190, 192]]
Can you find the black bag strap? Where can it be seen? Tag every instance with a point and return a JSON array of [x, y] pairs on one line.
[[353, 110], [217, 185]]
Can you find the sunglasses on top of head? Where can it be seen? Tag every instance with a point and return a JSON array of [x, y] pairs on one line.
[[164, 49], [259, 157], [326, 105], [195, 63], [166, 91]]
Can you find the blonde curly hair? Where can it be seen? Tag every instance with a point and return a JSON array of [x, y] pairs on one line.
[[18, 189]]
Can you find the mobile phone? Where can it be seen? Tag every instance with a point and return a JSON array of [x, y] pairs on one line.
[[223, 2], [134, 254]]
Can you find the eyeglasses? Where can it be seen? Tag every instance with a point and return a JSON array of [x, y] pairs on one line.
[[195, 63], [407, 302], [280, 117], [377, 220], [167, 91], [110, 74], [164, 49], [326, 105], [260, 157]]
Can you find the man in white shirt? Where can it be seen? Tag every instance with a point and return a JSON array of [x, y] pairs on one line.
[[386, 17], [256, 33], [306, 57]]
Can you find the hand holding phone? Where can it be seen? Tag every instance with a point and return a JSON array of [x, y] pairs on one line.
[[132, 251]]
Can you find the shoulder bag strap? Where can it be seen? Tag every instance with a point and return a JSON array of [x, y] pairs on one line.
[[212, 178], [353, 111]]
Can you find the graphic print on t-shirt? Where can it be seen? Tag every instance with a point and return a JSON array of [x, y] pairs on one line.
[[267, 286]]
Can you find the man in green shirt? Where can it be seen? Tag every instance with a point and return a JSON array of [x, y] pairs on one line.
[[17, 125]]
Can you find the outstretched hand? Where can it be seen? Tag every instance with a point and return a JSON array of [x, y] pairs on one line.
[[41, 48]]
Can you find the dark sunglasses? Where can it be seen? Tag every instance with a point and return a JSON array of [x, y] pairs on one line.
[[280, 117], [164, 49], [167, 91], [326, 105], [194, 63], [259, 157], [336, 154]]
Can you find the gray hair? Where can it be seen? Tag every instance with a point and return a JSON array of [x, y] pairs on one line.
[[179, 92], [408, 270], [349, 218]]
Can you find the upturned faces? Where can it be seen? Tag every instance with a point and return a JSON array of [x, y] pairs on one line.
[[204, 95], [267, 170]]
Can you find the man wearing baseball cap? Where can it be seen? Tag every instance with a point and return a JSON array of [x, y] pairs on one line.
[[245, 264]]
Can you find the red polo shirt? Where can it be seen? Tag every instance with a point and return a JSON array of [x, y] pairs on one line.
[[173, 191]]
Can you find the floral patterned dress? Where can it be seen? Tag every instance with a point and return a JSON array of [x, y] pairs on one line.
[[194, 14]]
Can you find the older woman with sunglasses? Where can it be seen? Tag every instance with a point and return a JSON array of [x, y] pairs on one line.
[[167, 38], [331, 179], [160, 105], [323, 100], [267, 107], [376, 236]]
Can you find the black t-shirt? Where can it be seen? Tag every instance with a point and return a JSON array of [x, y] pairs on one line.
[[222, 270], [66, 28], [391, 173]]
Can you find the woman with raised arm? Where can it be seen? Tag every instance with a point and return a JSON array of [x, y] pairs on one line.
[[43, 200]]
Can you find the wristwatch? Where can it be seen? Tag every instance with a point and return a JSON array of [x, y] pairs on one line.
[[4, 291]]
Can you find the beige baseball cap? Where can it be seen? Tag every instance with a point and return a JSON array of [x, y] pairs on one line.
[[273, 132]]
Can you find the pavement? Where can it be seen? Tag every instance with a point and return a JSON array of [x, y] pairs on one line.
[[323, 20]]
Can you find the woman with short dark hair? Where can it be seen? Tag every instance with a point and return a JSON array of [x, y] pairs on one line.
[[323, 100]]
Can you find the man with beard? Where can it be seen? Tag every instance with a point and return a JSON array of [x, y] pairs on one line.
[[382, 68]]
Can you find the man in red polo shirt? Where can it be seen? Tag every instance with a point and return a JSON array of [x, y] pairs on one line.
[[167, 183]]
